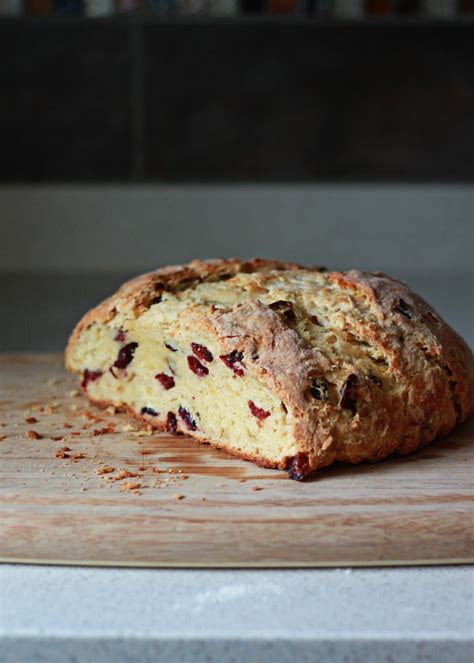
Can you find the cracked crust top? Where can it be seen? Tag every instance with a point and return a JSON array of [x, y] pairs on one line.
[[367, 367], [137, 294]]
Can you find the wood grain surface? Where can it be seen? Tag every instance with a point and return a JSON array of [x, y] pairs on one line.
[[191, 505]]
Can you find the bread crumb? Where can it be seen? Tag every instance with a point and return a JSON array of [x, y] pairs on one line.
[[110, 428], [79, 456], [123, 474], [31, 420], [33, 435], [74, 393], [106, 469], [131, 486], [3, 437], [143, 433], [57, 438], [129, 428], [62, 453], [66, 425], [92, 417], [255, 488], [178, 496], [75, 433], [54, 405]]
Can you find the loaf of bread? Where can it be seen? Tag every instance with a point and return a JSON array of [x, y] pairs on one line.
[[287, 366]]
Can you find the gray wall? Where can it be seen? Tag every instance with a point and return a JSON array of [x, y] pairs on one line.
[[64, 248]]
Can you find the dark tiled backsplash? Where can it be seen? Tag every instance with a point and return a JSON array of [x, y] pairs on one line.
[[174, 101], [65, 101]]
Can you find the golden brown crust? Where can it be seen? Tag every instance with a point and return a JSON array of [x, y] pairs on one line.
[[137, 294], [426, 383], [423, 329]]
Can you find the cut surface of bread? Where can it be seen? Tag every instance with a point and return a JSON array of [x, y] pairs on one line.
[[287, 366]]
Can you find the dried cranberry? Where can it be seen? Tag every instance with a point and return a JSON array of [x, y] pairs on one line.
[[90, 376], [258, 412], [166, 381], [233, 360], [319, 389], [120, 336], [125, 355], [402, 307], [285, 308], [196, 366], [170, 347], [150, 411], [171, 423], [299, 467], [201, 352], [349, 393], [186, 417]]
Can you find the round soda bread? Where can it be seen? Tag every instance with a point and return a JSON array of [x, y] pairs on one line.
[[287, 366]]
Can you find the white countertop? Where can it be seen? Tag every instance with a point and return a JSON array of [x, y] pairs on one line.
[[354, 615]]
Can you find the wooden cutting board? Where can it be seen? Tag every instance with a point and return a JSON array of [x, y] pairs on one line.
[[190, 505]]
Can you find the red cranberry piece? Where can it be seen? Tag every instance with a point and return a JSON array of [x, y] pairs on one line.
[[171, 423], [299, 467], [202, 352], [258, 412], [150, 411], [120, 336], [125, 355], [285, 308], [196, 367], [170, 347], [186, 417], [233, 360], [166, 381], [349, 394], [90, 376]]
